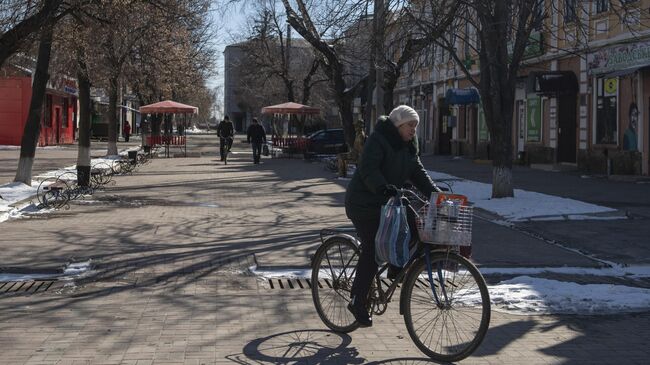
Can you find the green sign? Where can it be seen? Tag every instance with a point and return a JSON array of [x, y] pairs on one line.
[[483, 133], [534, 119], [534, 46]]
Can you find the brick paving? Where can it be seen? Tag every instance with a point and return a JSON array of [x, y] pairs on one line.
[[170, 244]]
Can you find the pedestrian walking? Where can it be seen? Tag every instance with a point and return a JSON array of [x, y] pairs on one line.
[[126, 131], [390, 159], [256, 135], [226, 132]]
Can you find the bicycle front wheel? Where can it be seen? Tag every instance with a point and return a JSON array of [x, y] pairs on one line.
[[333, 271], [449, 322]]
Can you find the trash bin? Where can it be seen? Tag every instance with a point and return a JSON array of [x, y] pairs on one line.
[[133, 155]]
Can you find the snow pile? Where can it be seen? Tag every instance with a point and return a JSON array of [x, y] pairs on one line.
[[525, 205], [525, 294]]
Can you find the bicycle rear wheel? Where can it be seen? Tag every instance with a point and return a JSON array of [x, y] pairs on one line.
[[450, 324], [333, 271]]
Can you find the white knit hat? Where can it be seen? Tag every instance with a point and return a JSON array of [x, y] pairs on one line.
[[403, 114]]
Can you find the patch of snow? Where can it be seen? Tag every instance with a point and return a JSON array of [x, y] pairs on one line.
[[530, 295], [71, 271], [525, 204]]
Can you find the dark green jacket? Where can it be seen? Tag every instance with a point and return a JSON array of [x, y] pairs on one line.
[[386, 159]]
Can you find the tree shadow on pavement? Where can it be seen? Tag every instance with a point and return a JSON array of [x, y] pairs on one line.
[[301, 347]]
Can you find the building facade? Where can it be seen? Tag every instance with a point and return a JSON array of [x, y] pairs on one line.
[[582, 96], [59, 116]]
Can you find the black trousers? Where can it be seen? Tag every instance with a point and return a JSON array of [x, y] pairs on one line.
[[257, 151], [367, 266], [224, 143]]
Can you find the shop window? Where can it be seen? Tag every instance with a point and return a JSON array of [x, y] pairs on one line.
[[606, 111]]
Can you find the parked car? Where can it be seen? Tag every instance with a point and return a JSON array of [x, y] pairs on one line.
[[326, 142]]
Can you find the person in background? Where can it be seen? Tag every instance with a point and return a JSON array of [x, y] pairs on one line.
[[226, 132], [389, 160], [126, 131], [256, 135]]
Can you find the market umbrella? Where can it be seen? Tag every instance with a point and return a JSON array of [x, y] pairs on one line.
[[290, 108], [170, 107]]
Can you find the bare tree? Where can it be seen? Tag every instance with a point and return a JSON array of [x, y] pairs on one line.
[[32, 127], [19, 20], [335, 17]]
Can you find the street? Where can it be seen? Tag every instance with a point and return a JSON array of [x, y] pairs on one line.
[[171, 246]]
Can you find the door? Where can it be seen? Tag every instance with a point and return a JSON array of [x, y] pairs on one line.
[[444, 131], [566, 147], [57, 124]]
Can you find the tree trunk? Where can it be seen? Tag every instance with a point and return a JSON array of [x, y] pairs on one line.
[[83, 153], [112, 115], [33, 124]]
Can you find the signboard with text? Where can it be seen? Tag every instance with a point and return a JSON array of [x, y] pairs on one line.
[[533, 119], [619, 57], [483, 133]]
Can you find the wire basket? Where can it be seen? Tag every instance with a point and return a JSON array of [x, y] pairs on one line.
[[448, 221]]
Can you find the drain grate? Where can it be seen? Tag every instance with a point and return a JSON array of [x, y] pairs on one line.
[[25, 286], [287, 283]]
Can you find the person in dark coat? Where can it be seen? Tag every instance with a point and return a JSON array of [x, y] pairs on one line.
[[389, 160], [256, 135], [126, 131], [226, 132]]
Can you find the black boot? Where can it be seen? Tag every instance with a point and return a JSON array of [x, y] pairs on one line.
[[360, 313]]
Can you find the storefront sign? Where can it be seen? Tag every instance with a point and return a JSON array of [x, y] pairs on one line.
[[483, 134], [619, 57], [533, 119]]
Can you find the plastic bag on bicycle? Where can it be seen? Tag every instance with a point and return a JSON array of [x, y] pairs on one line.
[[393, 236]]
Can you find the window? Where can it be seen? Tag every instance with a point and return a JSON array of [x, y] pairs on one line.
[[606, 111], [602, 6], [538, 14], [570, 11]]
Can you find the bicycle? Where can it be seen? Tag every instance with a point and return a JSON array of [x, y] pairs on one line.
[[229, 141], [444, 298]]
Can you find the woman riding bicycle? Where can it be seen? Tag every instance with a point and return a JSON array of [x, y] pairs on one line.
[[389, 160]]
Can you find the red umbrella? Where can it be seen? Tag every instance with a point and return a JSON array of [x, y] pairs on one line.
[[290, 108], [169, 106]]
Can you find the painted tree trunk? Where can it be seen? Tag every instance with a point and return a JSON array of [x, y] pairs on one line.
[[112, 116], [33, 124], [83, 153]]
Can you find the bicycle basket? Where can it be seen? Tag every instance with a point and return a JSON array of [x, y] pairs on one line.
[[446, 221]]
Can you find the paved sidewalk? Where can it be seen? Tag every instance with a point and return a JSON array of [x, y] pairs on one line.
[[621, 241], [170, 242]]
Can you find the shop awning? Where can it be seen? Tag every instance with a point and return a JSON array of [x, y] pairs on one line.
[[625, 71], [462, 96], [552, 82]]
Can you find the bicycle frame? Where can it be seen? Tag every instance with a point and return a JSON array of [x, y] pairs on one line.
[[423, 251]]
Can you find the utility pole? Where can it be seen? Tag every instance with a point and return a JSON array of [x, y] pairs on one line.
[[380, 34]]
